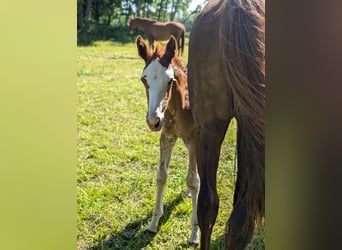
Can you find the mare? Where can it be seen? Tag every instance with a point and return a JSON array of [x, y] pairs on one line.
[[165, 79], [159, 31], [226, 76]]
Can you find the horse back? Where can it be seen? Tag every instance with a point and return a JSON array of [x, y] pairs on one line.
[[162, 31]]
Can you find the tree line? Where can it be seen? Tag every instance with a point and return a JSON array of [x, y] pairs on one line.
[[117, 12]]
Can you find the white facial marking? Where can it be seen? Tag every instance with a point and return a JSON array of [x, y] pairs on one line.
[[157, 78]]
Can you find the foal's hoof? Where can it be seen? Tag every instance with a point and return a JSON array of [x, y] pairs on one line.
[[193, 244], [149, 232], [188, 194], [193, 240]]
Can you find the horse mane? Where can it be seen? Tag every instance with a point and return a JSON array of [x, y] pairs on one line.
[[242, 32], [177, 61], [182, 81]]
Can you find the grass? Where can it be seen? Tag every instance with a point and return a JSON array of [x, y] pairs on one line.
[[117, 160]]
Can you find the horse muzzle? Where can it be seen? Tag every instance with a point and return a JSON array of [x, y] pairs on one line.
[[155, 124]]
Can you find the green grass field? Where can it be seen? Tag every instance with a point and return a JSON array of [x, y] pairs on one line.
[[117, 160]]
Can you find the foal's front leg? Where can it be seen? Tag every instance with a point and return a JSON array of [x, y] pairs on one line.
[[166, 145]]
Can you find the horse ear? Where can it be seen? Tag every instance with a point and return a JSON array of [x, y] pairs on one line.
[[170, 52], [143, 50]]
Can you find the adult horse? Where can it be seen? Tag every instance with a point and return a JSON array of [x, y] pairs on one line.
[[227, 79], [166, 85], [159, 31]]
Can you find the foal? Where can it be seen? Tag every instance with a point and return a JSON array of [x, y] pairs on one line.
[[165, 81]]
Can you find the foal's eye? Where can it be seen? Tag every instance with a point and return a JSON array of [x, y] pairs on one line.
[[143, 79]]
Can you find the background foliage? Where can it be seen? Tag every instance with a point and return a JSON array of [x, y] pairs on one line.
[[109, 19]]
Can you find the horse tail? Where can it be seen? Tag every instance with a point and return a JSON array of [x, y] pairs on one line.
[[242, 31]]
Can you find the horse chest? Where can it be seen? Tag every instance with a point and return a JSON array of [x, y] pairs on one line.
[[178, 123]]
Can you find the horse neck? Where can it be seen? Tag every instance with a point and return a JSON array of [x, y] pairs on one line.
[[176, 102]]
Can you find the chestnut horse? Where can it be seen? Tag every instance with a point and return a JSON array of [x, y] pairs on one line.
[[159, 31], [227, 79], [165, 81]]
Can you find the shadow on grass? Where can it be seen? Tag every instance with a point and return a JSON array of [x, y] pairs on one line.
[[132, 237], [218, 243], [214, 244]]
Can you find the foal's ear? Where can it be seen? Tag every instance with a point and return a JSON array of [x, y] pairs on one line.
[[143, 50], [170, 52]]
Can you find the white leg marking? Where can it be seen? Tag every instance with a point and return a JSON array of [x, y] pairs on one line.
[[193, 183], [166, 146]]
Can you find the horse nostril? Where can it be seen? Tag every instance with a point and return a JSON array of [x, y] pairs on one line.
[[156, 125]]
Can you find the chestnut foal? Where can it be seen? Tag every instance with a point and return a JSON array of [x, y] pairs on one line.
[[165, 81]]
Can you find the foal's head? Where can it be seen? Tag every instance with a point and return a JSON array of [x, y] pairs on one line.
[[157, 76]]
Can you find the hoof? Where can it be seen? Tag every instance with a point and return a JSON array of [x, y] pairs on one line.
[[193, 244], [187, 194], [193, 240], [149, 232]]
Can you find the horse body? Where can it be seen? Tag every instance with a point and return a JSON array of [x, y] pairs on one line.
[[159, 31], [165, 81], [226, 80]]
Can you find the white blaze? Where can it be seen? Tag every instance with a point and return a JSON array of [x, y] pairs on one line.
[[157, 78]]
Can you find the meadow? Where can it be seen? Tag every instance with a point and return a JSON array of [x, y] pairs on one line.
[[117, 158]]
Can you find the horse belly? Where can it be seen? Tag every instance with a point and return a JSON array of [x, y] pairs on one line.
[[161, 33]]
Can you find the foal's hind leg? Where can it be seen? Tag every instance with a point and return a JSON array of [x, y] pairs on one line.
[[193, 184], [166, 145]]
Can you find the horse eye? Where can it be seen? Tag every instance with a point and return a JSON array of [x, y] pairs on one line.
[[143, 79]]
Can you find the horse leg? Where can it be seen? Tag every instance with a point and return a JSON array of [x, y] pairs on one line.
[[193, 184], [151, 41], [166, 145], [208, 147]]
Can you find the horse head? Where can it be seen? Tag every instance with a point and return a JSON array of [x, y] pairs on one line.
[[132, 25], [157, 76]]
